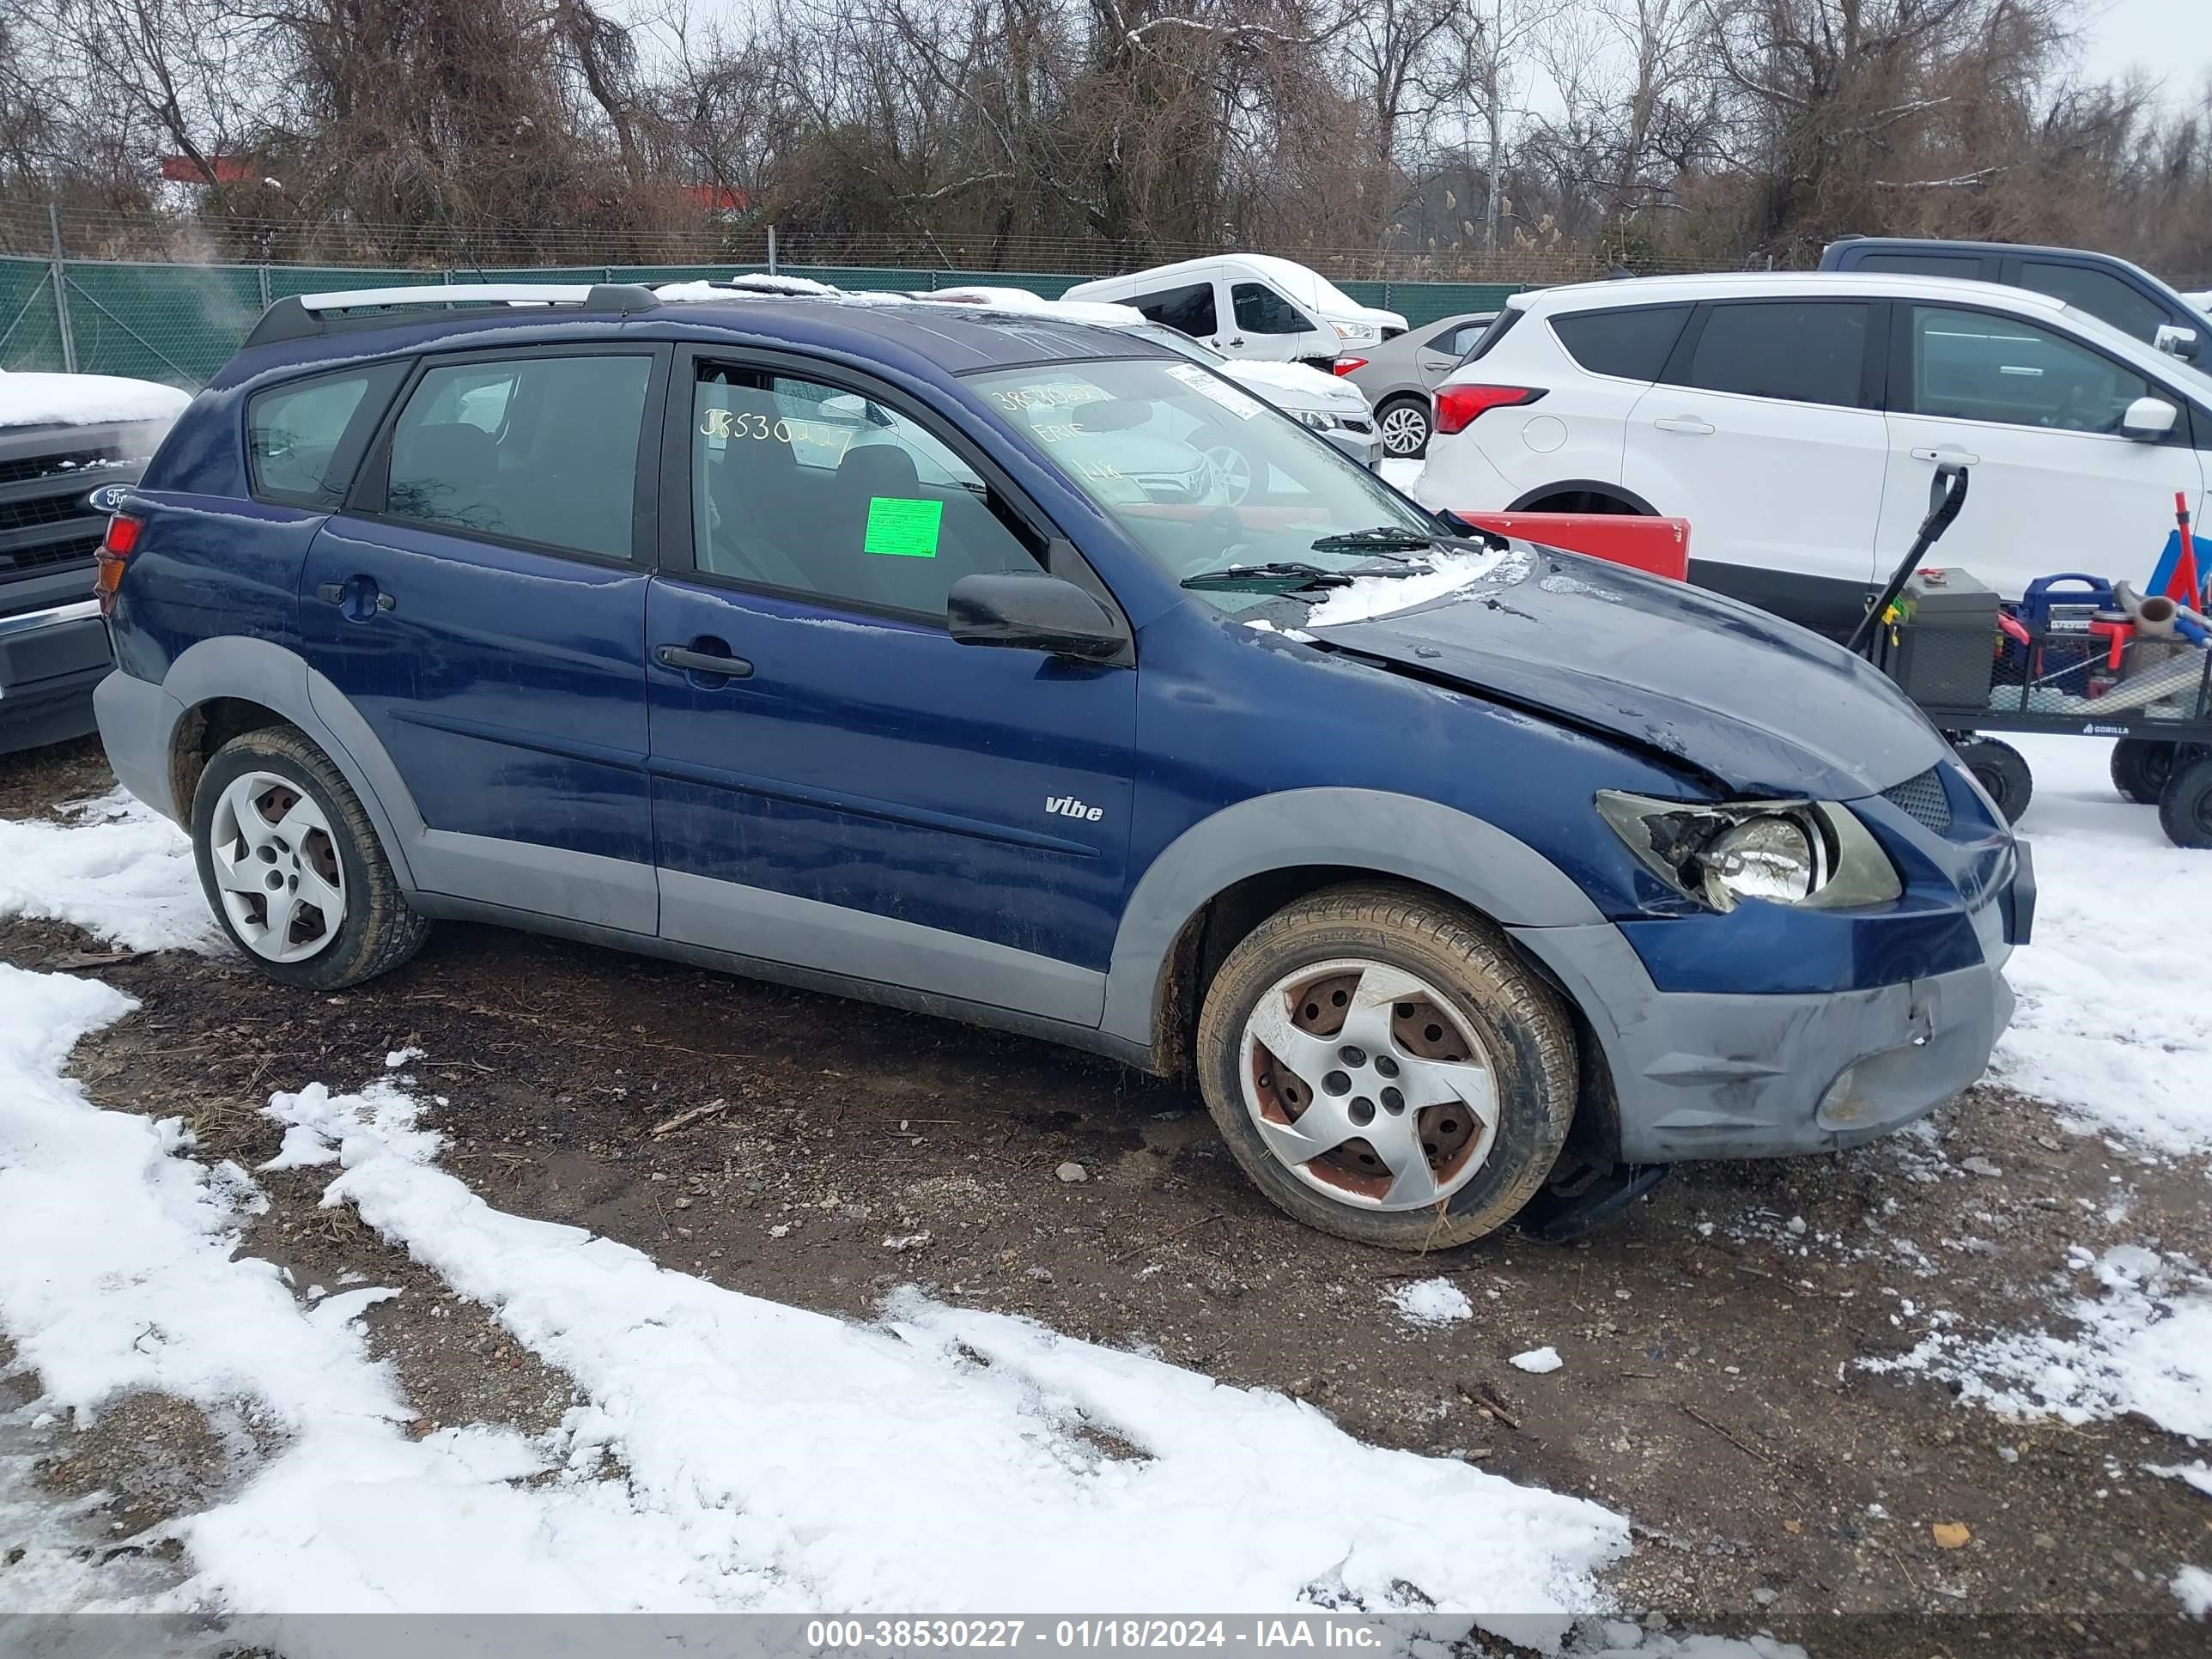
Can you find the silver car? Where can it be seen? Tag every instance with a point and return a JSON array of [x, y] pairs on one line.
[[1400, 377], [1319, 401]]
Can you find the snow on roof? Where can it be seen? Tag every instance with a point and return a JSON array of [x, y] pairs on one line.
[[1102, 314], [43, 399], [762, 284]]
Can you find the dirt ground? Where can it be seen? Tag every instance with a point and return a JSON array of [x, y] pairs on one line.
[[1709, 1334]]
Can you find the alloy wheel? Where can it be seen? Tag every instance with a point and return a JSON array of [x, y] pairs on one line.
[[1405, 430]]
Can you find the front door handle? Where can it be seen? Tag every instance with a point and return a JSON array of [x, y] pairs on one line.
[[359, 596], [1955, 457], [1682, 423], [718, 661]]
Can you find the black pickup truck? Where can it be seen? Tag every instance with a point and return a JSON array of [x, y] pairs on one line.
[[61, 437], [2125, 295]]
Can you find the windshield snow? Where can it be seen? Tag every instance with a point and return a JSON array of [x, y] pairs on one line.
[[1203, 476]]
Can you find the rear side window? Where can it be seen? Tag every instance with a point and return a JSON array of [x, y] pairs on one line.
[[1260, 310], [541, 450], [1965, 265], [2099, 293], [1190, 309], [1633, 344], [303, 440], [1799, 352]]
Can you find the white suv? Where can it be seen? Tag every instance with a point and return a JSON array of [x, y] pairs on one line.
[[1796, 421]]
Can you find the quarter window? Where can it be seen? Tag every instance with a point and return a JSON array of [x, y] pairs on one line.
[[1975, 365], [1798, 352], [1964, 266], [304, 440], [541, 450], [1190, 309], [817, 490], [1260, 310], [1633, 344]]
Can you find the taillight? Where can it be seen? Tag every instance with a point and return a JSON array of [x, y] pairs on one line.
[[1457, 406], [1346, 365], [115, 551]]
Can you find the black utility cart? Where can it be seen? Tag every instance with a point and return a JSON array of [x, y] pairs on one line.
[[2061, 664]]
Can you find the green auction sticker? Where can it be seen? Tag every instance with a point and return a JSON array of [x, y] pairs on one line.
[[903, 528]]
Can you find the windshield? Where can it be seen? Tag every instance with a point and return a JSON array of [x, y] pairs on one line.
[[1201, 474], [1177, 341]]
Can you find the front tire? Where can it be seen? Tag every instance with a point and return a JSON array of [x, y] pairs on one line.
[[2002, 770], [1406, 427], [2184, 811], [2141, 766], [292, 866], [1384, 1069]]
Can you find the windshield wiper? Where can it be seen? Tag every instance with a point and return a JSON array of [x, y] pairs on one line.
[[1380, 539], [1292, 575]]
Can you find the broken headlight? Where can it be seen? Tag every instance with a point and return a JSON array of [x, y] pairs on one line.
[[1815, 853]]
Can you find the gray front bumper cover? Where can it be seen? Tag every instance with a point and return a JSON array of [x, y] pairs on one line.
[[1753, 1076]]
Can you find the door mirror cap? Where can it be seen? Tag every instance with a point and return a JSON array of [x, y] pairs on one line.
[[2148, 420], [2183, 343], [1032, 612]]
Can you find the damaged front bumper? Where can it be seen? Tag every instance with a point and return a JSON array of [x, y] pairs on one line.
[[1718, 1074]]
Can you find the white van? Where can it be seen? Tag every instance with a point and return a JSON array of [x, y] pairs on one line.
[[1250, 304]]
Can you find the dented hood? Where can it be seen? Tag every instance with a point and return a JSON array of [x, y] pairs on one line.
[[1767, 708]]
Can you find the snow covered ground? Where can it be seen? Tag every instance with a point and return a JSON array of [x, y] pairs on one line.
[[773, 1458], [2116, 991]]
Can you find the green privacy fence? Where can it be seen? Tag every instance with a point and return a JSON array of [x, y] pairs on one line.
[[179, 323]]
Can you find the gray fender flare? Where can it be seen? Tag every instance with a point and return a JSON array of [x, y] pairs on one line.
[[1390, 834], [281, 680]]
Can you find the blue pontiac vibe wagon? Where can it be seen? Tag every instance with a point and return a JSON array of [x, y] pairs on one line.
[[920, 654]]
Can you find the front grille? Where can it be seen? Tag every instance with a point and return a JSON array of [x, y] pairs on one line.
[[23, 468], [1360, 426], [1923, 799], [51, 553], [42, 509]]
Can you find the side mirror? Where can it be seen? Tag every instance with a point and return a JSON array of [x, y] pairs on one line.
[[1030, 611], [2173, 337], [2148, 420]]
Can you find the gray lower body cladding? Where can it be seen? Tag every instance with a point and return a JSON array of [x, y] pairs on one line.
[[1759, 1076]]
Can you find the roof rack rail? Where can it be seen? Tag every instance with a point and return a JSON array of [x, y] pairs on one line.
[[303, 316]]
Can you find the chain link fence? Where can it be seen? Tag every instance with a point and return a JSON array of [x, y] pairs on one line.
[[179, 323]]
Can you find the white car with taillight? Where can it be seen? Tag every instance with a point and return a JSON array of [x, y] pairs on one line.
[[1797, 421]]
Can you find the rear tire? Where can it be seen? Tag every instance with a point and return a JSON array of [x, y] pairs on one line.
[[1406, 425], [1423, 1029], [2002, 770], [2184, 811], [2143, 767], [275, 823]]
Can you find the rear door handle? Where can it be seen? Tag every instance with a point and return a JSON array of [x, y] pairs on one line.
[[1955, 457], [687, 661], [1682, 423]]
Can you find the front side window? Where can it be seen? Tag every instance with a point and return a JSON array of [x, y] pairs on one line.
[[1801, 352], [2097, 292], [1633, 344], [541, 450], [303, 440], [1260, 310], [1189, 309], [1973, 366], [1200, 475], [816, 490]]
